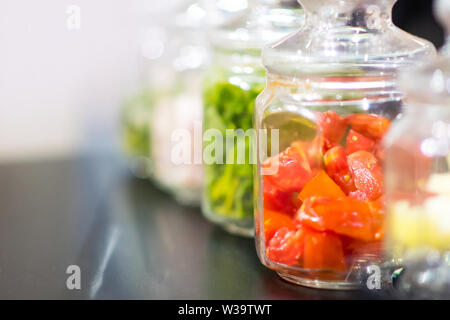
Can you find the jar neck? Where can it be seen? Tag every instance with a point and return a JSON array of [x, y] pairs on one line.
[[370, 14], [263, 22], [229, 59]]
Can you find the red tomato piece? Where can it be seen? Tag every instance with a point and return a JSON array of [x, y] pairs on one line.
[[371, 125], [315, 151], [286, 246], [321, 186], [292, 170], [333, 126], [273, 221], [336, 166], [277, 200], [323, 251], [378, 218], [357, 248], [358, 195], [357, 142], [367, 174], [346, 217]]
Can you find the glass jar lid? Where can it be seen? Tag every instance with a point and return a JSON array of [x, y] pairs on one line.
[[345, 36], [261, 22]]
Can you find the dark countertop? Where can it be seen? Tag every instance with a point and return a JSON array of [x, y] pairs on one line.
[[130, 240]]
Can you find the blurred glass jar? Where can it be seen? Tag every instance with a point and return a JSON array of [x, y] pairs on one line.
[[136, 111], [418, 180], [162, 125], [231, 87], [330, 98]]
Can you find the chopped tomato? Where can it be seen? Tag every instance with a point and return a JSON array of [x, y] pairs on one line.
[[314, 151], [345, 216], [333, 126], [292, 170], [357, 142], [277, 200], [367, 173], [321, 186], [371, 125], [377, 212], [355, 248], [352, 245], [358, 195], [274, 221], [286, 246], [336, 166], [381, 201], [323, 251]]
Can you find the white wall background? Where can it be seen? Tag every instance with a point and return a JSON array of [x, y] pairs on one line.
[[60, 89]]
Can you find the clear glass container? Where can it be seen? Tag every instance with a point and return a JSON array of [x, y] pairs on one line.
[[136, 113], [230, 89], [418, 180], [330, 98], [163, 124]]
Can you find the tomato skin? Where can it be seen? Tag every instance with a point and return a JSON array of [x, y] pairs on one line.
[[357, 142], [277, 200], [357, 248], [367, 174], [273, 221], [345, 217], [377, 209], [323, 251], [321, 186], [358, 195], [336, 166], [293, 171], [286, 246], [370, 125], [315, 151], [332, 126]]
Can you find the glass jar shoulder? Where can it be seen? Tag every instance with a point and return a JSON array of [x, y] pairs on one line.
[[342, 93], [227, 65], [229, 93], [313, 50]]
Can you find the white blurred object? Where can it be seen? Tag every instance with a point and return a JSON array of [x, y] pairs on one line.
[[60, 88]]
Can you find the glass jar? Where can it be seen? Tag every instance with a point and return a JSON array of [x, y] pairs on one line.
[[418, 181], [136, 113], [167, 115], [330, 98], [230, 89]]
